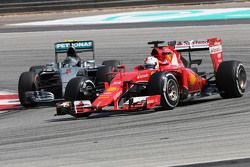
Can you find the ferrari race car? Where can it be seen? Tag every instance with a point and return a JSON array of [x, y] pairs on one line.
[[166, 78], [47, 83]]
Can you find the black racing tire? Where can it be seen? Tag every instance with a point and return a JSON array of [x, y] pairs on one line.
[[112, 63], [166, 85], [27, 82], [103, 74], [75, 89], [231, 79], [36, 69], [73, 92]]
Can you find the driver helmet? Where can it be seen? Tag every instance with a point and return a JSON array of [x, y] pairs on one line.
[[71, 52], [72, 61], [151, 63], [72, 58]]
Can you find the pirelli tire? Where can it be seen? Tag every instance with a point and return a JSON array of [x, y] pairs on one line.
[[103, 74], [80, 88], [36, 69], [27, 82], [113, 63], [165, 84], [231, 79]]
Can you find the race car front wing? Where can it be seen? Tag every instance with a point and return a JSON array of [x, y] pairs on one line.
[[85, 106], [39, 96]]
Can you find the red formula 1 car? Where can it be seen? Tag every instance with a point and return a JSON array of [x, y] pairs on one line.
[[164, 79]]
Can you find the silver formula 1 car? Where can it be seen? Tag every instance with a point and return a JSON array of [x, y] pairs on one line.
[[47, 83]]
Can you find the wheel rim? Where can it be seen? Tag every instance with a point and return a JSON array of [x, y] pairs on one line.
[[172, 90], [242, 78], [86, 89]]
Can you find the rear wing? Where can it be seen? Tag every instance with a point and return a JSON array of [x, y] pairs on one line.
[[214, 46], [192, 45], [80, 46]]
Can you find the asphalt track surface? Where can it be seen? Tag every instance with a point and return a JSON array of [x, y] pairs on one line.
[[207, 130]]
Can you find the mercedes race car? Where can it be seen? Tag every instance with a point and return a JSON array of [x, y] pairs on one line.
[[47, 83], [165, 79]]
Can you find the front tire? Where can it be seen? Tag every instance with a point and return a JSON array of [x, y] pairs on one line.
[[80, 88], [27, 82], [165, 84], [231, 79]]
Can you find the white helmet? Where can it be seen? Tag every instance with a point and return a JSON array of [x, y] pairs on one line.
[[151, 63]]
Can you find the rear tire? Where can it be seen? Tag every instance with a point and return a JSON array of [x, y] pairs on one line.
[[166, 85], [27, 82], [231, 79], [112, 63], [36, 69], [103, 74]]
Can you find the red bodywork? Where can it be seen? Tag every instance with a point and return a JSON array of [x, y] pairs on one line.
[[170, 61]]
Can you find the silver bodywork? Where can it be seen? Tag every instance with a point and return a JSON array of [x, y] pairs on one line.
[[57, 75]]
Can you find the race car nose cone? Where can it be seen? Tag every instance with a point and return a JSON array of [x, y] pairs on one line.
[[102, 101]]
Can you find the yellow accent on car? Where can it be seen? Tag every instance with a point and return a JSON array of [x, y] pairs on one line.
[[111, 89], [192, 79], [71, 40]]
